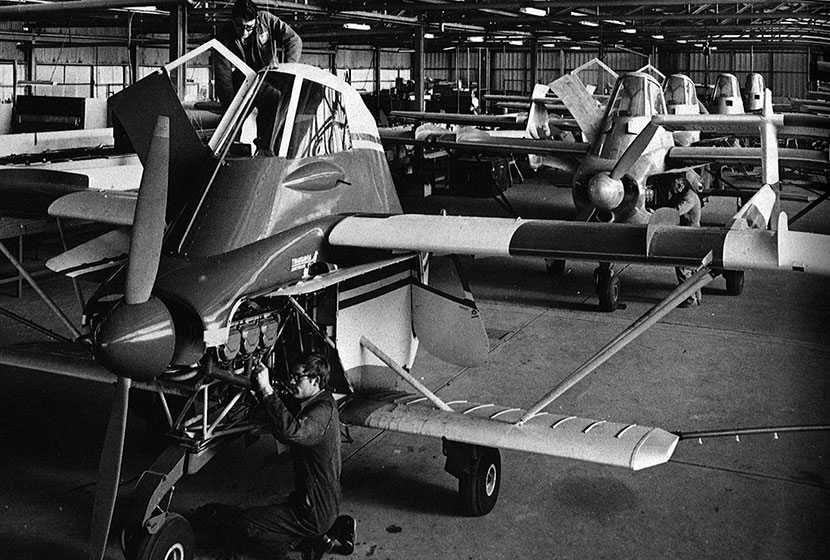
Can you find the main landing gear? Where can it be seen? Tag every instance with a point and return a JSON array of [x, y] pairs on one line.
[[150, 531], [606, 282], [478, 470], [734, 281]]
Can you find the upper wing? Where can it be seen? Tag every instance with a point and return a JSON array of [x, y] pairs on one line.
[[623, 445], [737, 247], [788, 124], [489, 145], [788, 157]]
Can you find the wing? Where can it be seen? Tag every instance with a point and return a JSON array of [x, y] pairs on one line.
[[787, 157], [487, 145], [788, 124], [597, 441], [736, 247]]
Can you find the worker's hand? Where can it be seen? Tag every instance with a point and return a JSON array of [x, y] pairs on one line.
[[262, 380]]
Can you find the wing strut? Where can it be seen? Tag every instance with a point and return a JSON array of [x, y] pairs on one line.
[[702, 277], [405, 375]]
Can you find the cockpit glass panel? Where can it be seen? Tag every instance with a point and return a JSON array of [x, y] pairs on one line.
[[725, 87], [655, 94], [321, 126], [680, 91], [629, 98]]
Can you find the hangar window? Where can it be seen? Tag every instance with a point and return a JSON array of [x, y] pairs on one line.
[[6, 82], [69, 80], [321, 126], [109, 80]]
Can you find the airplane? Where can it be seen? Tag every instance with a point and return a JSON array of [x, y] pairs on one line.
[[681, 99], [726, 97], [249, 249], [754, 92]]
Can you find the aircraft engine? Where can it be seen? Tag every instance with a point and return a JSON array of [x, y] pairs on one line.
[[605, 192], [136, 340]]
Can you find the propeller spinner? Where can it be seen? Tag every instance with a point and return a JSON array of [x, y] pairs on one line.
[[136, 339]]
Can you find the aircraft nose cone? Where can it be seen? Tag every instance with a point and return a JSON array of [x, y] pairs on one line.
[[136, 341], [605, 193]]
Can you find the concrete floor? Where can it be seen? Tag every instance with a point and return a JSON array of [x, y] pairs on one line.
[[760, 359]]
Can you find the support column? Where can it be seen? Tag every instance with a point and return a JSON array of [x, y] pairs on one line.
[[418, 67], [178, 45], [534, 62]]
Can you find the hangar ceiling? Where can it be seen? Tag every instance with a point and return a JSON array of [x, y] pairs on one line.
[[639, 25]]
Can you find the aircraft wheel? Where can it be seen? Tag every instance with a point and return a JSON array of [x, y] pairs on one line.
[[608, 288], [172, 541], [734, 282], [479, 489], [555, 267]]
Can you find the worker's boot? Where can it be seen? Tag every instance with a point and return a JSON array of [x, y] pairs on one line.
[[343, 531], [316, 547]]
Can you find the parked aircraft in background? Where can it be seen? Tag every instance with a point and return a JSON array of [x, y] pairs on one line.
[[753, 93], [726, 97], [242, 252], [681, 99]]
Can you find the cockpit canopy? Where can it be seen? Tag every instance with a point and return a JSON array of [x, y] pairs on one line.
[[636, 95], [726, 85], [680, 90]]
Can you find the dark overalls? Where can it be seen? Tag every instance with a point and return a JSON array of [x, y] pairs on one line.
[[313, 435]]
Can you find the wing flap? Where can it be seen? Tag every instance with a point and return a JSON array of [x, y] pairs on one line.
[[596, 441]]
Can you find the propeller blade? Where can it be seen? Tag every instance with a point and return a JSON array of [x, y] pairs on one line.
[[109, 471], [634, 151], [149, 221]]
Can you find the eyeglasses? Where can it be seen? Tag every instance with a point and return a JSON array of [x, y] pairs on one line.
[[245, 26], [295, 379]]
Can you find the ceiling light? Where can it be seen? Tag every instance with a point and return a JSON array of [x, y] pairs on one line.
[[576, 48], [549, 45], [589, 23], [429, 36], [577, 14], [476, 39], [629, 30], [516, 42], [659, 36], [531, 11], [357, 26], [682, 41], [616, 21]]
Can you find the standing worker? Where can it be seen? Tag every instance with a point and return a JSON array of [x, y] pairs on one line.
[[254, 36], [311, 510], [685, 200]]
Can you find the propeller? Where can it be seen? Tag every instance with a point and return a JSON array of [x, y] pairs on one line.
[[136, 338], [606, 190], [634, 151]]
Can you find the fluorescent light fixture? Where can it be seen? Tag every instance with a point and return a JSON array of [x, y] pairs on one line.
[[699, 45], [588, 23], [576, 48], [476, 39], [429, 36], [629, 30], [549, 45], [449, 48], [357, 26], [658, 37], [577, 14], [531, 11], [516, 42], [615, 21], [682, 41]]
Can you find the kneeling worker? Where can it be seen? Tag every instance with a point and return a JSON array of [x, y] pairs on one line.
[[685, 200], [308, 519]]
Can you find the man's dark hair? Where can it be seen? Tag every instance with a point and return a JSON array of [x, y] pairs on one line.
[[246, 10], [314, 364]]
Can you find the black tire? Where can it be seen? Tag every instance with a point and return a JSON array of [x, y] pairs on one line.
[[608, 289], [555, 267], [173, 541], [479, 490], [734, 282]]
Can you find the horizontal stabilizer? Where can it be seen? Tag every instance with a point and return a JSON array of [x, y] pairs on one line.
[[117, 208], [105, 251], [597, 441]]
